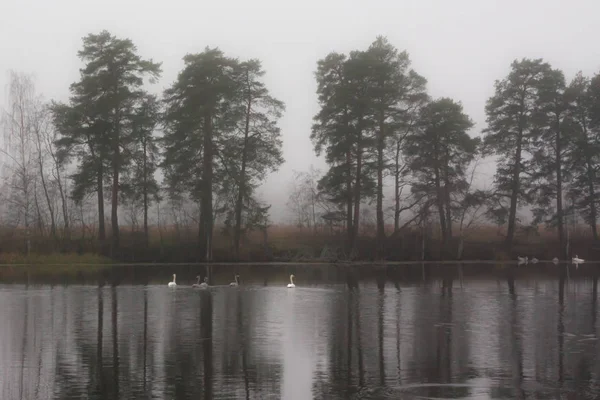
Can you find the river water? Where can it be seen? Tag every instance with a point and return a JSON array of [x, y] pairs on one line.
[[405, 332]]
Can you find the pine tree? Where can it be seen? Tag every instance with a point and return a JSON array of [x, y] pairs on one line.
[[331, 131], [510, 134], [386, 91], [254, 148], [439, 152], [408, 120], [200, 110], [551, 147], [140, 185], [393, 90], [340, 131], [97, 122], [83, 136], [584, 156]]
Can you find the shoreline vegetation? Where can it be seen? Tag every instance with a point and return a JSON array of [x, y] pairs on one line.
[[55, 259], [41, 262], [292, 245], [80, 177]]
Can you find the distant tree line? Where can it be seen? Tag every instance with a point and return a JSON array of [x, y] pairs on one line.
[[214, 135], [376, 120]]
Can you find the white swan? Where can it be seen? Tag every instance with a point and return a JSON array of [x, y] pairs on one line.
[[197, 284], [534, 260], [236, 283], [202, 285], [291, 284], [173, 284], [577, 260], [555, 260], [522, 260]]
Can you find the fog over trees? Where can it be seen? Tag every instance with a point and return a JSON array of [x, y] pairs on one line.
[[179, 170]]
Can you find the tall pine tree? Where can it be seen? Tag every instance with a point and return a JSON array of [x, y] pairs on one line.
[[584, 155], [439, 151], [98, 119], [200, 110], [140, 181], [257, 148], [510, 134], [551, 147]]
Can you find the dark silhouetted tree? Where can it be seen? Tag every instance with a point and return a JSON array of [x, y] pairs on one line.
[[552, 136], [140, 183], [510, 136], [584, 159], [439, 152], [98, 119], [200, 110], [254, 148]]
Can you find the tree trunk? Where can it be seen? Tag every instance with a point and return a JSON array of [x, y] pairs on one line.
[[349, 227], [40, 222], [592, 194], [114, 218], [514, 196], [241, 184], [380, 223], [314, 217], [357, 191], [63, 200], [397, 188], [45, 187], [559, 193], [100, 189], [591, 178], [61, 190], [207, 175], [145, 190], [439, 197], [439, 194], [116, 167], [448, 200]]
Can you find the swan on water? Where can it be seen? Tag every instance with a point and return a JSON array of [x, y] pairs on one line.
[[555, 260], [202, 285], [197, 284], [236, 283], [534, 260], [173, 284], [577, 260], [522, 260], [291, 284]]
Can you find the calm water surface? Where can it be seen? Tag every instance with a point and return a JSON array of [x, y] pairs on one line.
[[409, 332]]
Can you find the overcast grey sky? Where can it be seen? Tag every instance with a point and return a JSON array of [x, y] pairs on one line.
[[460, 46]]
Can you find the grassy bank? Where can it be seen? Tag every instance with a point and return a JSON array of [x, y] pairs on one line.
[[53, 259], [289, 244]]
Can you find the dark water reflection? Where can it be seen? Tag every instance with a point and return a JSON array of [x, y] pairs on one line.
[[475, 331]]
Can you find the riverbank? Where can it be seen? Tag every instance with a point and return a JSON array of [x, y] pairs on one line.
[[77, 263], [285, 244], [55, 259]]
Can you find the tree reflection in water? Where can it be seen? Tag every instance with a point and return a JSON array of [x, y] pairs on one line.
[[452, 333]]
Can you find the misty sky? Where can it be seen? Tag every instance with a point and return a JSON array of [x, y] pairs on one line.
[[460, 46]]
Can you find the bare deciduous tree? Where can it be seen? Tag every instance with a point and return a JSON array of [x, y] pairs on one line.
[[471, 204], [305, 200], [19, 126]]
